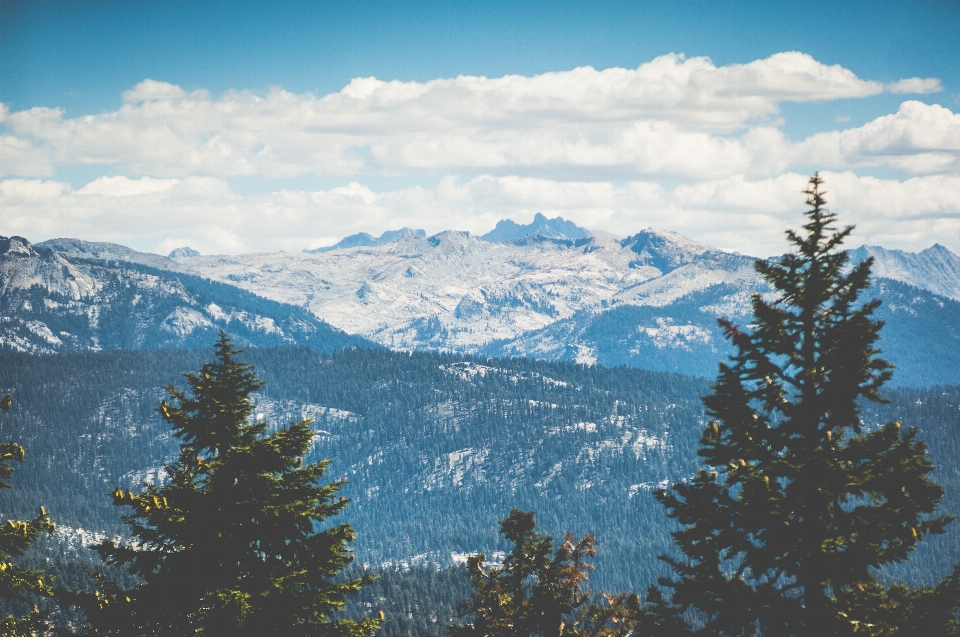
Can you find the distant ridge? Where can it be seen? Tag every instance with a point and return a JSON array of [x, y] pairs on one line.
[[185, 251], [110, 252], [363, 239], [69, 295], [556, 228], [935, 269]]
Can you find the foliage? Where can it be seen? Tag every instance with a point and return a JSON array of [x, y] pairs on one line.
[[229, 543], [415, 599], [784, 530], [535, 591], [393, 421], [20, 587]]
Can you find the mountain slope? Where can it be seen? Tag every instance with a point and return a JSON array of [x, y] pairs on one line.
[[921, 333], [451, 290], [52, 302], [935, 269], [108, 252]]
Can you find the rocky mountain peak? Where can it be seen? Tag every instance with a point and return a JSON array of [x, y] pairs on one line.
[[556, 228], [185, 251], [663, 250], [16, 247]]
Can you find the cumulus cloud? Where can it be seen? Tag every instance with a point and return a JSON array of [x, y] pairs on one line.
[[672, 117], [918, 138], [126, 187], [915, 85], [153, 90], [734, 213]]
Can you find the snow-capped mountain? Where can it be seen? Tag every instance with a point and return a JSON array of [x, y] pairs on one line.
[[453, 290], [650, 300], [106, 253], [51, 301], [935, 269]]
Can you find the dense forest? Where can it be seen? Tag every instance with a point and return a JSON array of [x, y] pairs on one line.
[[435, 448]]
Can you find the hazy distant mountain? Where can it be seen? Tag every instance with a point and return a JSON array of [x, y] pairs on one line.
[[557, 228], [185, 251], [362, 239], [52, 302], [649, 300]]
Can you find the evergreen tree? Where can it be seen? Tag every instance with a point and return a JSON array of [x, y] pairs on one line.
[[20, 587], [229, 544], [534, 591], [783, 531]]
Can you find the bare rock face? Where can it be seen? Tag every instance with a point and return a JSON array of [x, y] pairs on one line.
[[16, 247]]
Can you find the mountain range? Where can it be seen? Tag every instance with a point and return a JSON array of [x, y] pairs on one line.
[[548, 290]]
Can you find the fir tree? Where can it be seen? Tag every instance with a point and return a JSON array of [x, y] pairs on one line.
[[535, 591], [229, 544], [784, 530], [19, 587]]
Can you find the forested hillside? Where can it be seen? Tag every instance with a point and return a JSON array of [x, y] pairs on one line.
[[436, 448]]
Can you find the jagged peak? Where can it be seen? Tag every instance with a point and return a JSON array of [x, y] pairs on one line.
[[556, 228], [936, 250], [936, 268]]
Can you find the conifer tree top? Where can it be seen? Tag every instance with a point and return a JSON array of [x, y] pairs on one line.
[[796, 508], [211, 419]]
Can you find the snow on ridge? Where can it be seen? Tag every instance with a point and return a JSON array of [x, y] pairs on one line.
[[935, 269]]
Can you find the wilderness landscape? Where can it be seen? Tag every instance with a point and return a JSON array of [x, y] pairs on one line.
[[487, 321]]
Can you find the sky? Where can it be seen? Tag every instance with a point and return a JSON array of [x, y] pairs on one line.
[[237, 127]]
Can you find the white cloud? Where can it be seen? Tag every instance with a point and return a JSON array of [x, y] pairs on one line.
[[915, 86], [672, 117], [153, 90], [126, 187], [918, 138], [734, 213], [591, 145], [20, 157]]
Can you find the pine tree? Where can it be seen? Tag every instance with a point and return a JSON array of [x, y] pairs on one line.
[[229, 544], [535, 591], [799, 504], [20, 587]]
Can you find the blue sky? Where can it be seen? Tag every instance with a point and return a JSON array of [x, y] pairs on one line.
[[81, 58]]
